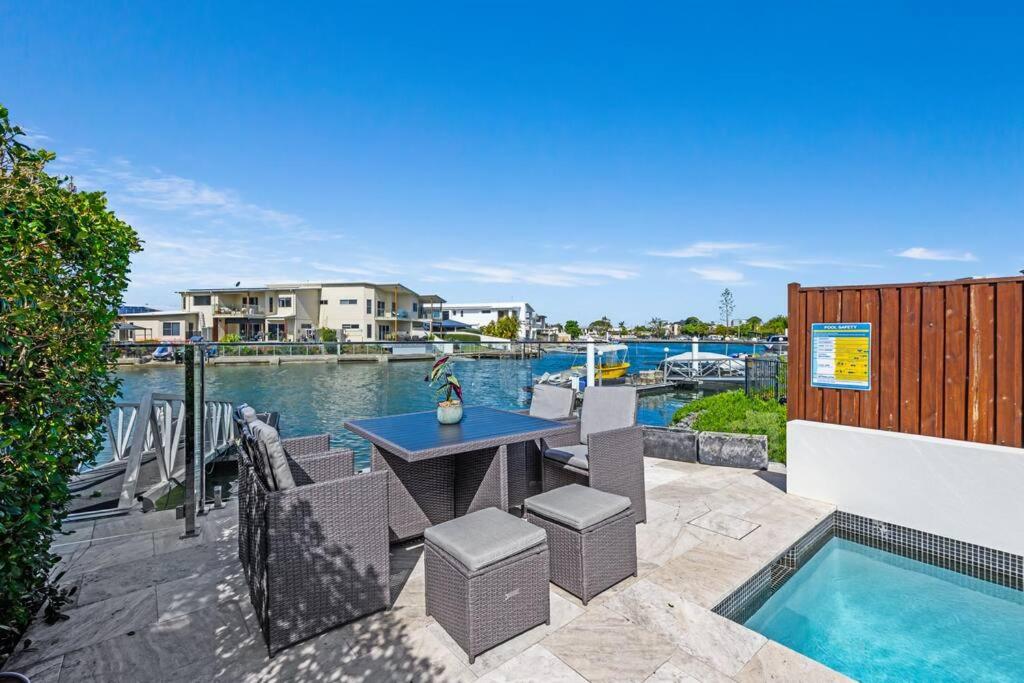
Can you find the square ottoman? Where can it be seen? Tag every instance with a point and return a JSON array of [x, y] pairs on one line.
[[591, 534], [486, 577]]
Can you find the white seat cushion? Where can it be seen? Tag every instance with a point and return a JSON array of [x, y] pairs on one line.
[[484, 537], [281, 474], [552, 403], [575, 455]]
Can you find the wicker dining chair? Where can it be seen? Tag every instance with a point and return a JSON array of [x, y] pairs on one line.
[[294, 448], [318, 554], [524, 475], [606, 452]]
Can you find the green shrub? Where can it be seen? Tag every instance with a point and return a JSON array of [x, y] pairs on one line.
[[328, 335], [231, 338], [64, 259], [735, 412]]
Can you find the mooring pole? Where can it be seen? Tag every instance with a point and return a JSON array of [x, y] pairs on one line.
[[190, 442], [201, 411]]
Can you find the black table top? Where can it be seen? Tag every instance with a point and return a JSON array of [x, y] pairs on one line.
[[417, 436]]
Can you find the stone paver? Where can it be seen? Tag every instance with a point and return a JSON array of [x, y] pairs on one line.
[[775, 662], [725, 524], [605, 646], [152, 606], [535, 665]]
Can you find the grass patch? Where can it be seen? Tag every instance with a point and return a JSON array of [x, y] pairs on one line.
[[734, 412]]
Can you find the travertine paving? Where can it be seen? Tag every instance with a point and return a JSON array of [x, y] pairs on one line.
[[153, 607]]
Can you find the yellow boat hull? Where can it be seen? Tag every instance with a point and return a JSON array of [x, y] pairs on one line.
[[612, 371], [616, 371]]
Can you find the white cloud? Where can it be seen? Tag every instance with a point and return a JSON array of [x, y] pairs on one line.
[[34, 138], [169, 193], [552, 275], [614, 272], [926, 254], [718, 274], [704, 249], [794, 264]]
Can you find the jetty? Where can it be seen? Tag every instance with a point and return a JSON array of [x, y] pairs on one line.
[[147, 446]]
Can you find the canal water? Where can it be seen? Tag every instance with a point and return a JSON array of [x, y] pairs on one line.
[[313, 398]]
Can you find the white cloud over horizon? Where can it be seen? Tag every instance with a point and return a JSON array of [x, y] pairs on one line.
[[725, 275], [576, 274], [927, 254], [705, 249]]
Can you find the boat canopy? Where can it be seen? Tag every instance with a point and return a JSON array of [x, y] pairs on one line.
[[690, 356], [610, 348]]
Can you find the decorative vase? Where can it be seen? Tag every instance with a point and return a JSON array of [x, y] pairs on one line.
[[449, 412]]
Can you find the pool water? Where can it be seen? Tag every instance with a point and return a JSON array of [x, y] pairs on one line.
[[877, 616]]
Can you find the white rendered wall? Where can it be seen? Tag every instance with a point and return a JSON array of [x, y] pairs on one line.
[[967, 491]]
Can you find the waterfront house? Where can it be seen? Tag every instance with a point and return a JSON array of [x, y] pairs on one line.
[[479, 314], [148, 326], [364, 311], [357, 311]]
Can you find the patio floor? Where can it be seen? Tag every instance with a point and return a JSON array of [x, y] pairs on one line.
[[153, 607]]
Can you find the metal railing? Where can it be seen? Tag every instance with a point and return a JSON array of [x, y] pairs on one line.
[[165, 430], [766, 378]]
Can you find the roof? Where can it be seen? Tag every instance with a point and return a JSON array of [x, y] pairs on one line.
[[278, 286], [158, 314], [497, 304], [211, 290], [375, 285]]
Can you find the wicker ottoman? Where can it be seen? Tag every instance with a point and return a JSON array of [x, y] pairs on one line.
[[486, 578], [592, 535]]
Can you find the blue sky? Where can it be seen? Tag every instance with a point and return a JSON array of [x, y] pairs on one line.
[[593, 159]]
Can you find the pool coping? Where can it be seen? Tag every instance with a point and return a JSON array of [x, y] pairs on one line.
[[988, 564]]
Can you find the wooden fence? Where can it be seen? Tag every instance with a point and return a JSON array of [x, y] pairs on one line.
[[946, 358]]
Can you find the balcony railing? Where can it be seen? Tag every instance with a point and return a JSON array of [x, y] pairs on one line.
[[238, 310]]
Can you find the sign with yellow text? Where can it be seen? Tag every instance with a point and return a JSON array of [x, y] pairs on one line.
[[841, 356]]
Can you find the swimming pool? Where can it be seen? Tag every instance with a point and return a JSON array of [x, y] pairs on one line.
[[878, 616]]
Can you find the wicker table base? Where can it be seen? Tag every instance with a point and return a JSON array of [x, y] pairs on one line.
[[435, 490]]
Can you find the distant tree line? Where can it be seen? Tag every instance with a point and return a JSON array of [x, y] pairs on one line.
[[693, 326]]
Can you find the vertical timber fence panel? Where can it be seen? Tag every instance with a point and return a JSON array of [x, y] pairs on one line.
[[947, 358]]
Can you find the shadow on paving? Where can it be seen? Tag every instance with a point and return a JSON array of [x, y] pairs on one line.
[[196, 621]]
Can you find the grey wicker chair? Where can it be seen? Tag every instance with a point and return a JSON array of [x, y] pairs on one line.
[[524, 474], [318, 554], [607, 452], [295, 448]]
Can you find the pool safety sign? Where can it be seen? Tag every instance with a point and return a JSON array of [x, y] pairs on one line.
[[841, 356]]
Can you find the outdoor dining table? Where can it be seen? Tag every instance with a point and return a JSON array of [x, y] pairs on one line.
[[445, 471]]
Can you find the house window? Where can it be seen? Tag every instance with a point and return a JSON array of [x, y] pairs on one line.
[[201, 300], [284, 302], [323, 302], [369, 329], [350, 302], [172, 329], [369, 306], [306, 326], [350, 326], [485, 311], [380, 309], [415, 306]]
